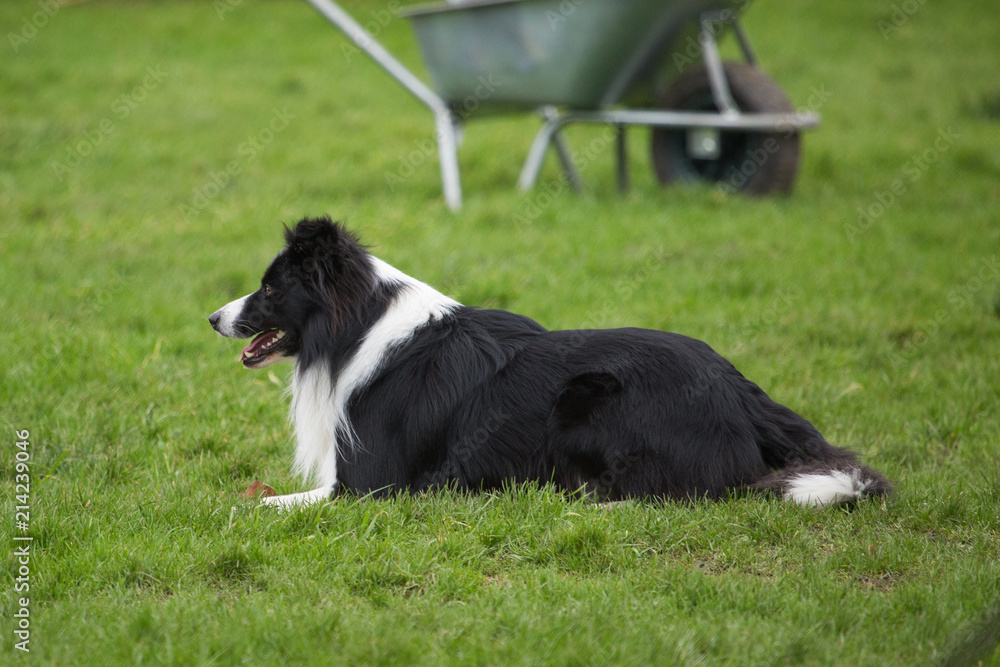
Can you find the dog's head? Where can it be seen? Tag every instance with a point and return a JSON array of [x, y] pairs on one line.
[[310, 286]]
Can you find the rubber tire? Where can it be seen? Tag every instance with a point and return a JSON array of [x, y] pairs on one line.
[[747, 161]]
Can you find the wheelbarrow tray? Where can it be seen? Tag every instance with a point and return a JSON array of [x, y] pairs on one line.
[[582, 54], [578, 61]]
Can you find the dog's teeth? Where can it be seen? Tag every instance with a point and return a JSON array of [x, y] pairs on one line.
[[280, 335]]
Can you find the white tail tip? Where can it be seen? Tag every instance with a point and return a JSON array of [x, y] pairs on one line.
[[829, 488]]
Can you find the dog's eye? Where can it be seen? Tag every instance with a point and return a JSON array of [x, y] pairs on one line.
[[267, 290]]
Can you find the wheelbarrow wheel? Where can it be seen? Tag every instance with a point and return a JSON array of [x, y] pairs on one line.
[[755, 163]]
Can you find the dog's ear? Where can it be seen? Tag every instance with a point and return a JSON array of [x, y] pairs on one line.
[[327, 254], [315, 238]]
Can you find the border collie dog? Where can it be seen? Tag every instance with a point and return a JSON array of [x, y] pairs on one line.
[[398, 388]]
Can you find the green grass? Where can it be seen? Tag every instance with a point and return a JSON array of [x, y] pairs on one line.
[[143, 427]]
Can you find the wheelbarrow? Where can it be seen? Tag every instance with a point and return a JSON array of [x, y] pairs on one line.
[[618, 63]]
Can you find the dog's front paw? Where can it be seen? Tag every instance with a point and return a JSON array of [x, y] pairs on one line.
[[299, 499], [281, 502]]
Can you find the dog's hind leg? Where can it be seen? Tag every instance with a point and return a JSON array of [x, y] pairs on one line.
[[294, 500], [588, 451], [582, 395]]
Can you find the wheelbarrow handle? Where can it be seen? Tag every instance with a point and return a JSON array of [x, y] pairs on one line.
[[444, 119], [364, 41]]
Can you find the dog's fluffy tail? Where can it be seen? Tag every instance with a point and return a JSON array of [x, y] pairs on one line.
[[820, 484], [806, 468]]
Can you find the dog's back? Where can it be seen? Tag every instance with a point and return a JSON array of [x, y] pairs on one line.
[[399, 388]]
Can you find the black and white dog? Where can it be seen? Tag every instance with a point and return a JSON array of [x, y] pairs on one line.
[[399, 388]]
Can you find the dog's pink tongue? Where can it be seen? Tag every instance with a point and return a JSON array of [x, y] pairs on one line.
[[247, 353], [250, 350]]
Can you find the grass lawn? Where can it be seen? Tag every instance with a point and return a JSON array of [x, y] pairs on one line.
[[868, 301]]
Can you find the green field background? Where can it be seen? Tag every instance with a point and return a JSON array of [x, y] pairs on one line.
[[150, 153]]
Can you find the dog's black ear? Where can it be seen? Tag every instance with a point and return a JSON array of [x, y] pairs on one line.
[[316, 238], [330, 257]]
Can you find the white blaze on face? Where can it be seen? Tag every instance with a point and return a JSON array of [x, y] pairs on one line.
[[228, 315]]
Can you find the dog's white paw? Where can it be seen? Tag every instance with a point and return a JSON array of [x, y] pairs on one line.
[[294, 500]]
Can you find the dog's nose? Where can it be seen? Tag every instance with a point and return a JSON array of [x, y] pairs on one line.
[[213, 319]]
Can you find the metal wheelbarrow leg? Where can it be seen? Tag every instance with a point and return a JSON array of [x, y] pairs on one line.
[[703, 126], [444, 120], [729, 115], [549, 133]]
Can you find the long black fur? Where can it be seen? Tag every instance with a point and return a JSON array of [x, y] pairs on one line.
[[481, 398]]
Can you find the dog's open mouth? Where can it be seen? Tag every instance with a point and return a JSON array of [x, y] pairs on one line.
[[263, 347]]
